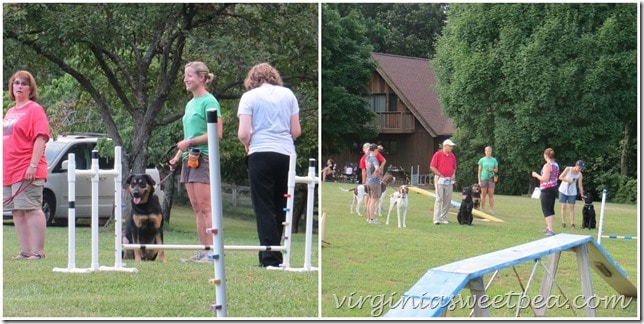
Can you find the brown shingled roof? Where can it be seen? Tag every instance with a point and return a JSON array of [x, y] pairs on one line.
[[413, 80]]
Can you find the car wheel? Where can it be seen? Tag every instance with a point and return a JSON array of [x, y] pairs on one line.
[[49, 207]]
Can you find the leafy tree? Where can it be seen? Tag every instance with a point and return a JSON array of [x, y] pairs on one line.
[[346, 69], [524, 77], [123, 63], [408, 29]]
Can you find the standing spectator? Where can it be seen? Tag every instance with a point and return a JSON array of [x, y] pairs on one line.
[[571, 177], [362, 164], [374, 177], [488, 166], [548, 186], [329, 170], [443, 164], [269, 123], [26, 132], [381, 159], [195, 142]]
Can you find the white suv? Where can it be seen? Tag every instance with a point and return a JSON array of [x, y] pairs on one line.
[[55, 193]]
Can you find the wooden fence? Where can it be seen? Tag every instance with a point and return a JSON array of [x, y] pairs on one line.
[[236, 196]]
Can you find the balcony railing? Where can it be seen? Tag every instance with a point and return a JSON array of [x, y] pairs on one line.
[[396, 122]]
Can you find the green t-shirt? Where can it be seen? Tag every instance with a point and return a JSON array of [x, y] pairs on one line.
[[195, 122], [487, 163]]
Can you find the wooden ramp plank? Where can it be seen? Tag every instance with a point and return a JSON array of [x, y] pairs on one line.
[[480, 265], [430, 295], [609, 270], [475, 212]]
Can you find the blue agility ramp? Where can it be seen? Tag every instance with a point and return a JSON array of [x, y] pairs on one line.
[[432, 294]]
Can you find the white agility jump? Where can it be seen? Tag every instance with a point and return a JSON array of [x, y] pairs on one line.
[[601, 224], [216, 230]]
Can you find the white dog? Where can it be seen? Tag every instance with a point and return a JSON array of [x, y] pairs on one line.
[[359, 195], [400, 199]]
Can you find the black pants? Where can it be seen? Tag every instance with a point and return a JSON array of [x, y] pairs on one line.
[[268, 174], [548, 198]]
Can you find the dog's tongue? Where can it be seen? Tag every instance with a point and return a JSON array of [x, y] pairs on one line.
[[136, 200]]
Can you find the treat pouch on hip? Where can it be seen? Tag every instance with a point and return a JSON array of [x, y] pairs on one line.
[[193, 157]]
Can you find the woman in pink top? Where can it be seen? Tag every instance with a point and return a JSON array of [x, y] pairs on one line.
[[548, 180], [26, 131]]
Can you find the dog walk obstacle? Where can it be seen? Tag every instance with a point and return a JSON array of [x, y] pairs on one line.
[[475, 212], [432, 294], [601, 224]]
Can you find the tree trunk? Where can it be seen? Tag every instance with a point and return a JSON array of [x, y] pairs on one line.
[[623, 166], [168, 189]]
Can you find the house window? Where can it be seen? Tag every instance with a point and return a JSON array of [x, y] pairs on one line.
[[393, 102], [377, 103], [390, 146]]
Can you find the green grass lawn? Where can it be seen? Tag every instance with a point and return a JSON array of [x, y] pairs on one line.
[[171, 290], [367, 267]]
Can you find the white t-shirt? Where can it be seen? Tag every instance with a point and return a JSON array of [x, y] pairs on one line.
[[271, 108], [569, 189]]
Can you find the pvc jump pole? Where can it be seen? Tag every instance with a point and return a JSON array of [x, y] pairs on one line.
[[202, 247], [311, 181], [217, 229], [601, 217], [601, 224], [94, 173], [118, 216]]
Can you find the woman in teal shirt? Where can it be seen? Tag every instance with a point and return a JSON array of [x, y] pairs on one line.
[[195, 137], [488, 166]]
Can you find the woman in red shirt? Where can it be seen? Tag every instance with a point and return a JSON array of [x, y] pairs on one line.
[[26, 131]]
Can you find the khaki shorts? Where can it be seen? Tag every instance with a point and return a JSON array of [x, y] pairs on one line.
[[199, 174], [29, 199], [489, 183]]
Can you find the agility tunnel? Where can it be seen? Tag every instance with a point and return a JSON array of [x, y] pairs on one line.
[[475, 212], [432, 294]]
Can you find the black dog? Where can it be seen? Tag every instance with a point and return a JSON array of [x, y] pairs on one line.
[[476, 195], [145, 223], [465, 212], [588, 212]]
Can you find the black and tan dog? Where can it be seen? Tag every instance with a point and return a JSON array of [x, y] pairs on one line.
[[465, 211], [145, 223], [476, 195]]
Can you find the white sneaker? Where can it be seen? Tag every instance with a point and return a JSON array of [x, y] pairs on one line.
[[491, 211], [444, 222]]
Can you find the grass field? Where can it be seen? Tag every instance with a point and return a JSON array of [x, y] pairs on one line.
[[367, 267], [171, 290]]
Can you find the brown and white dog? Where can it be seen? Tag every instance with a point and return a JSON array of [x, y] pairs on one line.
[[400, 199], [360, 193]]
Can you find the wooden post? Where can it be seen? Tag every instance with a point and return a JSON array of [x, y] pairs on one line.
[[583, 264], [546, 284], [477, 287]]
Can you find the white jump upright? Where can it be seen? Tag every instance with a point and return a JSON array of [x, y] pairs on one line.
[[217, 229], [311, 180], [94, 173], [601, 224]]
